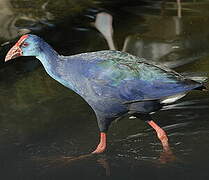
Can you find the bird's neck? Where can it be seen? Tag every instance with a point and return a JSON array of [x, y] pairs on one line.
[[52, 62], [48, 57]]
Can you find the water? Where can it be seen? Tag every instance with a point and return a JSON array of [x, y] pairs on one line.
[[47, 131]]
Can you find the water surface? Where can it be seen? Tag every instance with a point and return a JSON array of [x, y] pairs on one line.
[[47, 131]]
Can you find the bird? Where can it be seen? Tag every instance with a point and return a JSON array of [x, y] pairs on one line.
[[114, 83]]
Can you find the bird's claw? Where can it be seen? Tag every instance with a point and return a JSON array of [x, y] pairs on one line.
[[100, 149]]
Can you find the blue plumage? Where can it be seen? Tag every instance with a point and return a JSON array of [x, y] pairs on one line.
[[113, 83], [107, 80]]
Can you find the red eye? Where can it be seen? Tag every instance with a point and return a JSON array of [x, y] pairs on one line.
[[25, 44]]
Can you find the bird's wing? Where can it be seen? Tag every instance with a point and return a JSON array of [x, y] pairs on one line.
[[131, 78]]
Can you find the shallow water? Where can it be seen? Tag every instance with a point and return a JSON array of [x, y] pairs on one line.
[[47, 131]]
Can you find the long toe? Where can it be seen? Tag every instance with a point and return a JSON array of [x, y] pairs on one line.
[[99, 149]]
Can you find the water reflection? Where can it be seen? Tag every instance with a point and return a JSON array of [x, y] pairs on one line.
[[167, 41], [8, 29], [103, 24], [45, 127], [58, 162], [179, 8], [14, 23]]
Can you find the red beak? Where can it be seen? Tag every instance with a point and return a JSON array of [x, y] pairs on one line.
[[16, 51]]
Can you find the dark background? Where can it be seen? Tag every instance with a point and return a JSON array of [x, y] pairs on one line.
[[47, 131]]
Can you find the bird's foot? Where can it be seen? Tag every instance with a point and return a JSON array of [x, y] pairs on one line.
[[161, 134], [100, 149], [102, 145]]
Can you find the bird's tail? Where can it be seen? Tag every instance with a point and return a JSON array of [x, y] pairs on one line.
[[198, 77]]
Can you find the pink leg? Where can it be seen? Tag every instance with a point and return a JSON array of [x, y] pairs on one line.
[[102, 145], [161, 135], [167, 155]]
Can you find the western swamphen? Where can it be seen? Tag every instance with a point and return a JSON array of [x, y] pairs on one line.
[[113, 83]]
